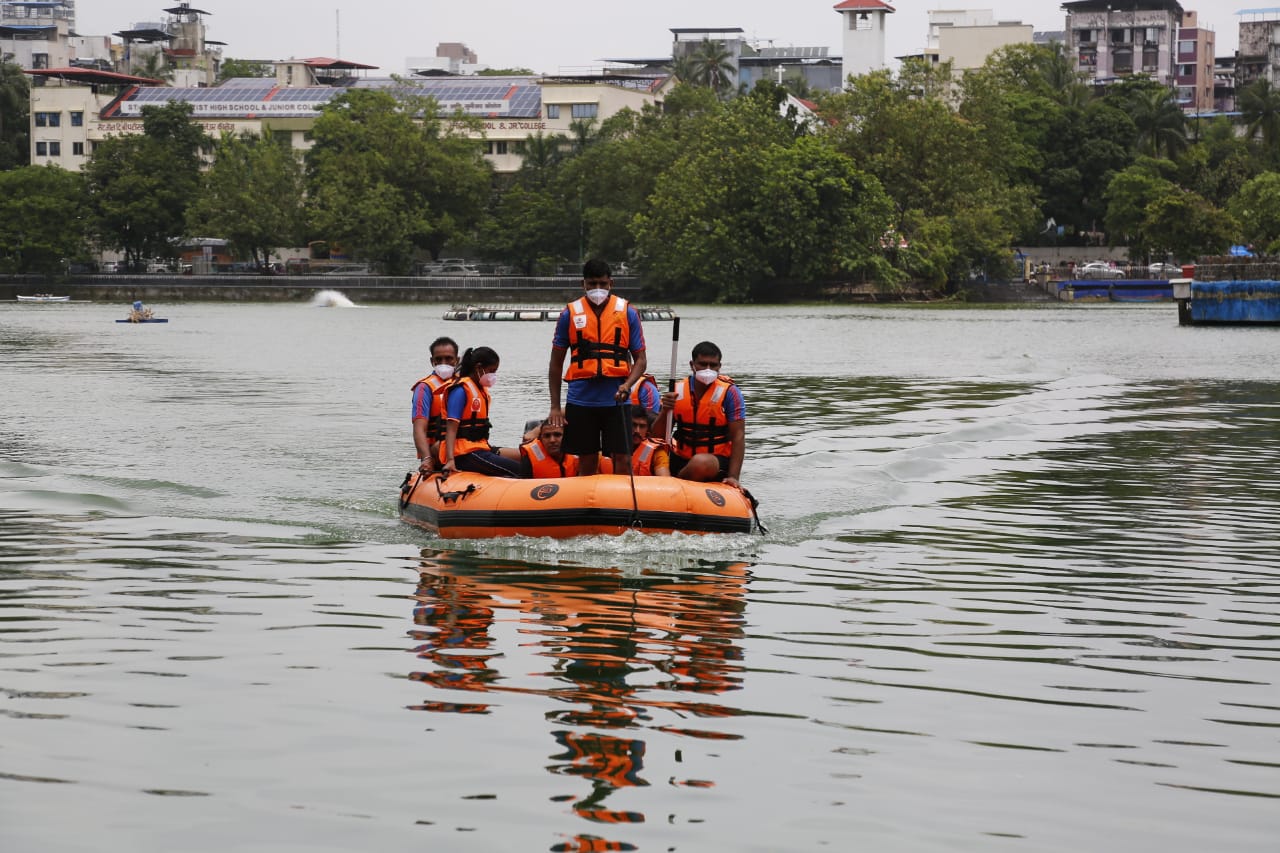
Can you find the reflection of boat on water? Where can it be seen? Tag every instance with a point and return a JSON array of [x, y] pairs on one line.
[[535, 312], [628, 659], [43, 297], [475, 506]]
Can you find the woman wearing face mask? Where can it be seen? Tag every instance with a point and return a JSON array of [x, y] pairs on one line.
[[428, 402], [466, 436], [708, 437]]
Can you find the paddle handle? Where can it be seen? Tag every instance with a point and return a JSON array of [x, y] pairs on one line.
[[671, 386]]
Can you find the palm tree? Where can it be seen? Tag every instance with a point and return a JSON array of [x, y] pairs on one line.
[[713, 66], [153, 65], [1260, 109], [1162, 126]]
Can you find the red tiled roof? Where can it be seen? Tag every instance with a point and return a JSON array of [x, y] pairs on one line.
[[91, 76], [863, 6], [330, 62]]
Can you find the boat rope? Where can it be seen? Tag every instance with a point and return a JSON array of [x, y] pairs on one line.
[[754, 504], [452, 497]]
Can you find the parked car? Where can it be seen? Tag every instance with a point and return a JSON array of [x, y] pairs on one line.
[[453, 270], [1164, 271], [112, 266], [1099, 269]]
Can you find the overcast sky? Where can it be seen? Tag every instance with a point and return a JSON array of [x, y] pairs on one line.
[[556, 35]]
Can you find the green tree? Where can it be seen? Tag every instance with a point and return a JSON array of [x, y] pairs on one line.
[[712, 66], [386, 179], [1257, 208], [1186, 225], [505, 72], [42, 219], [1260, 108], [936, 164], [139, 187], [1129, 195], [251, 196], [748, 211], [234, 68], [1160, 123], [15, 101], [154, 65]]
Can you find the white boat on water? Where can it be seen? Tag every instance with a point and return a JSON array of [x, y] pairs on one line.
[[44, 297]]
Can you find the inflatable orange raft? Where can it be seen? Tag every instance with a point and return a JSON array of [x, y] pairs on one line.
[[474, 506]]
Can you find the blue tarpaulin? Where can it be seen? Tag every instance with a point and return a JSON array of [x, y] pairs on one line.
[[1240, 252]]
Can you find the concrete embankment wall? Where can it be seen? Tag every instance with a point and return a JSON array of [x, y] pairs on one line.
[[301, 288]]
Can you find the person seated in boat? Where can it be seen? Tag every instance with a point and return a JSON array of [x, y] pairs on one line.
[[466, 435], [603, 340], [708, 437], [428, 403], [140, 313], [649, 455], [543, 454], [647, 395]]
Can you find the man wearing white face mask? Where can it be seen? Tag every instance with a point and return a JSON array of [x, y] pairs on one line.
[[709, 435], [601, 335], [428, 404]]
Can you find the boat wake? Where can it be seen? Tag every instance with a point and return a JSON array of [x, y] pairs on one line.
[[331, 299]]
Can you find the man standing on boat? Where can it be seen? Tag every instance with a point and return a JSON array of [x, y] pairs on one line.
[[602, 335]]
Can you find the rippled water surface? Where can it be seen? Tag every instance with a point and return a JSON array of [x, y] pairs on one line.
[[1020, 591]]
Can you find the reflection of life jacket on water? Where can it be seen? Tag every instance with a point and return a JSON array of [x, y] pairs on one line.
[[613, 760]]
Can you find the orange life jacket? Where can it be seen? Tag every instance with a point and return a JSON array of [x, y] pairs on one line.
[[435, 419], [473, 428], [705, 430], [641, 459], [635, 389], [598, 344], [542, 463]]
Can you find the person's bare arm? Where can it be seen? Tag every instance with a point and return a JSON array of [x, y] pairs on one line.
[[555, 366]]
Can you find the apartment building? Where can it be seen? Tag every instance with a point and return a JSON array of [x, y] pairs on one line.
[[1111, 40]]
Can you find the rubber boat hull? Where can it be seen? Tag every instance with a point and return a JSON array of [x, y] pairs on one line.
[[473, 506], [44, 298], [152, 320]]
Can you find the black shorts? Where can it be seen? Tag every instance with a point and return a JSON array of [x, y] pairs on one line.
[[595, 429], [678, 462]]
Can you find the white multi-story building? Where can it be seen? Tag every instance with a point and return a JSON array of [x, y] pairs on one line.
[[75, 109]]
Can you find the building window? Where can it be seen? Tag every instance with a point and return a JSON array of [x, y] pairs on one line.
[[77, 119], [553, 111], [42, 149], [1151, 35], [77, 148], [48, 119], [55, 149], [585, 110], [1086, 36], [500, 147], [1120, 37], [1150, 59], [1186, 47]]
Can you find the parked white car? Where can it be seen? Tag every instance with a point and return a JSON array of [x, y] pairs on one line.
[[1099, 269], [1164, 271], [453, 270]]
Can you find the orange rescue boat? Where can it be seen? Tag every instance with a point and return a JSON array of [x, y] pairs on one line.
[[474, 506]]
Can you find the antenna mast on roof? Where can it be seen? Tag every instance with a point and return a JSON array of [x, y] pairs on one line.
[[337, 33]]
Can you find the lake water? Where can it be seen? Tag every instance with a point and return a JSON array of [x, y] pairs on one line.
[[1020, 591]]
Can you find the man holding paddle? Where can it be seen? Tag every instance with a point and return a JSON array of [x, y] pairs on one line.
[[604, 341]]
